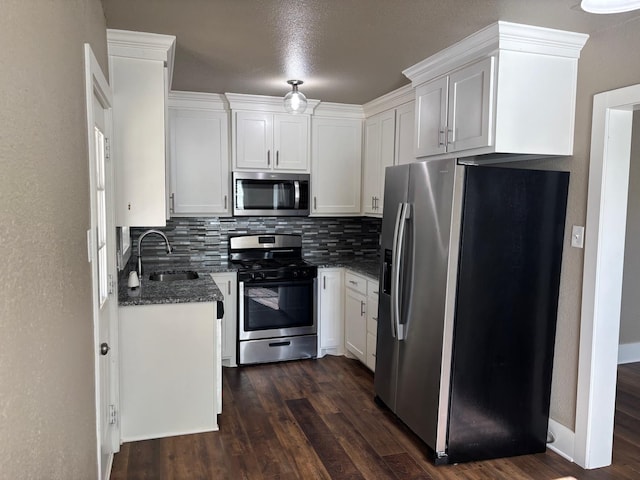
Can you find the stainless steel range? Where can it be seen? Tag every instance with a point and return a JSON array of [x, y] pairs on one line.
[[276, 299]]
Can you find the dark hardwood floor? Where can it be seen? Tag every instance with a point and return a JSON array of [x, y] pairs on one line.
[[316, 419]]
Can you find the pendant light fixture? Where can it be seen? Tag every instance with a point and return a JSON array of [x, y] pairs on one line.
[[609, 6], [295, 101]]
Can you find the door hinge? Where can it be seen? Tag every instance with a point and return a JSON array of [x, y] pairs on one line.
[[113, 415], [107, 149], [111, 284]]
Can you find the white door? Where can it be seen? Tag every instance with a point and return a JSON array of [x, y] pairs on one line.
[[199, 159], [387, 153], [431, 118], [371, 167], [254, 141], [337, 147], [470, 98], [291, 142], [102, 255], [405, 121]]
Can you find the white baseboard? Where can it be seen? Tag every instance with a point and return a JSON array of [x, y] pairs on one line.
[[564, 440], [628, 353]]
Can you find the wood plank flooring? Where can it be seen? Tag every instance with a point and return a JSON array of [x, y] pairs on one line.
[[316, 419]]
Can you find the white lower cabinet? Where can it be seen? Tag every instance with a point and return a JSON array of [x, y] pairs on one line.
[[330, 311], [228, 285], [360, 317], [372, 323], [171, 379]]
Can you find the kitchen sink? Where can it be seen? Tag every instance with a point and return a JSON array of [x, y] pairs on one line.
[[173, 276]]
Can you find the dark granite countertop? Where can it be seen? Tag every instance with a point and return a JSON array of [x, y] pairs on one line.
[[367, 266], [202, 289]]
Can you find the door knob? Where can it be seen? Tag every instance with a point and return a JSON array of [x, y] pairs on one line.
[[104, 348]]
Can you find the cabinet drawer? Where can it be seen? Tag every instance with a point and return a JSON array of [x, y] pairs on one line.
[[356, 282]]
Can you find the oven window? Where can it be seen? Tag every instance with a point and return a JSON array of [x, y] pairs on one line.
[[278, 305]]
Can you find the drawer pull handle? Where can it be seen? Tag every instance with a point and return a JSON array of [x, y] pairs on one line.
[[375, 292], [280, 344], [352, 282]]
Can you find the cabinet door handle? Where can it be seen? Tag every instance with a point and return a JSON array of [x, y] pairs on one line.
[[228, 287], [450, 136], [172, 207], [324, 283], [315, 203], [277, 157], [441, 139], [361, 308], [268, 158], [225, 202], [373, 203]]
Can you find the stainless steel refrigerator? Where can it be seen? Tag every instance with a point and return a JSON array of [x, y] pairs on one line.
[[470, 272]]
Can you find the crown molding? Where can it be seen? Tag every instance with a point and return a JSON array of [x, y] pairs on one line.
[[339, 110], [264, 103], [197, 101], [389, 100], [143, 45], [492, 39]]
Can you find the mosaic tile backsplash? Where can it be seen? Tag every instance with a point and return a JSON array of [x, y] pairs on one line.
[[206, 240]]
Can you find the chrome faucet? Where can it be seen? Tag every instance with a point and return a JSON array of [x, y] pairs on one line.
[[166, 241]]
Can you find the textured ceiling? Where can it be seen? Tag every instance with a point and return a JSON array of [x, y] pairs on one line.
[[348, 51]]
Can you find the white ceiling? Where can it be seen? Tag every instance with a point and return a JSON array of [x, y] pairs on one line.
[[348, 51]]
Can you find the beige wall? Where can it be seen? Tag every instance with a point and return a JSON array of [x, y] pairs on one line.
[[630, 314], [607, 62], [47, 414]]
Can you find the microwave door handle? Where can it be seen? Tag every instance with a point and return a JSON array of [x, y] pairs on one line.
[[296, 187]]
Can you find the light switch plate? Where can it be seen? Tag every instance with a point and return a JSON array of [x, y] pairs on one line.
[[577, 236]]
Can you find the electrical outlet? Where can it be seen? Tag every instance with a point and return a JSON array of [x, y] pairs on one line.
[[577, 236]]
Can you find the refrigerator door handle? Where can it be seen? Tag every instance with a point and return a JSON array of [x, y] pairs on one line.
[[394, 270], [404, 216]]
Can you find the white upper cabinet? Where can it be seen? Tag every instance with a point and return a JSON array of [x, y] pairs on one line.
[[140, 68], [389, 131], [336, 158], [431, 117], [405, 120], [291, 142], [379, 152], [507, 89], [469, 113], [254, 140], [198, 155], [265, 138]]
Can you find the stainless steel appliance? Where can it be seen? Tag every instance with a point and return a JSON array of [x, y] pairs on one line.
[[276, 299], [272, 194], [466, 324]]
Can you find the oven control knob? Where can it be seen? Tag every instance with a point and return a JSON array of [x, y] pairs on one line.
[[295, 274]]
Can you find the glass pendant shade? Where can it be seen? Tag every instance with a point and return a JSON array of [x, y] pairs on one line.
[[609, 6], [295, 101]]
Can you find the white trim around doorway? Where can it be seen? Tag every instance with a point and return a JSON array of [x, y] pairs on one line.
[[602, 276]]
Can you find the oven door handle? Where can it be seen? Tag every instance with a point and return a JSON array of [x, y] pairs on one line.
[[296, 188]]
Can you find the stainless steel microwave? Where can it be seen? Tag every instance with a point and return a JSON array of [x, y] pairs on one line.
[[270, 194]]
